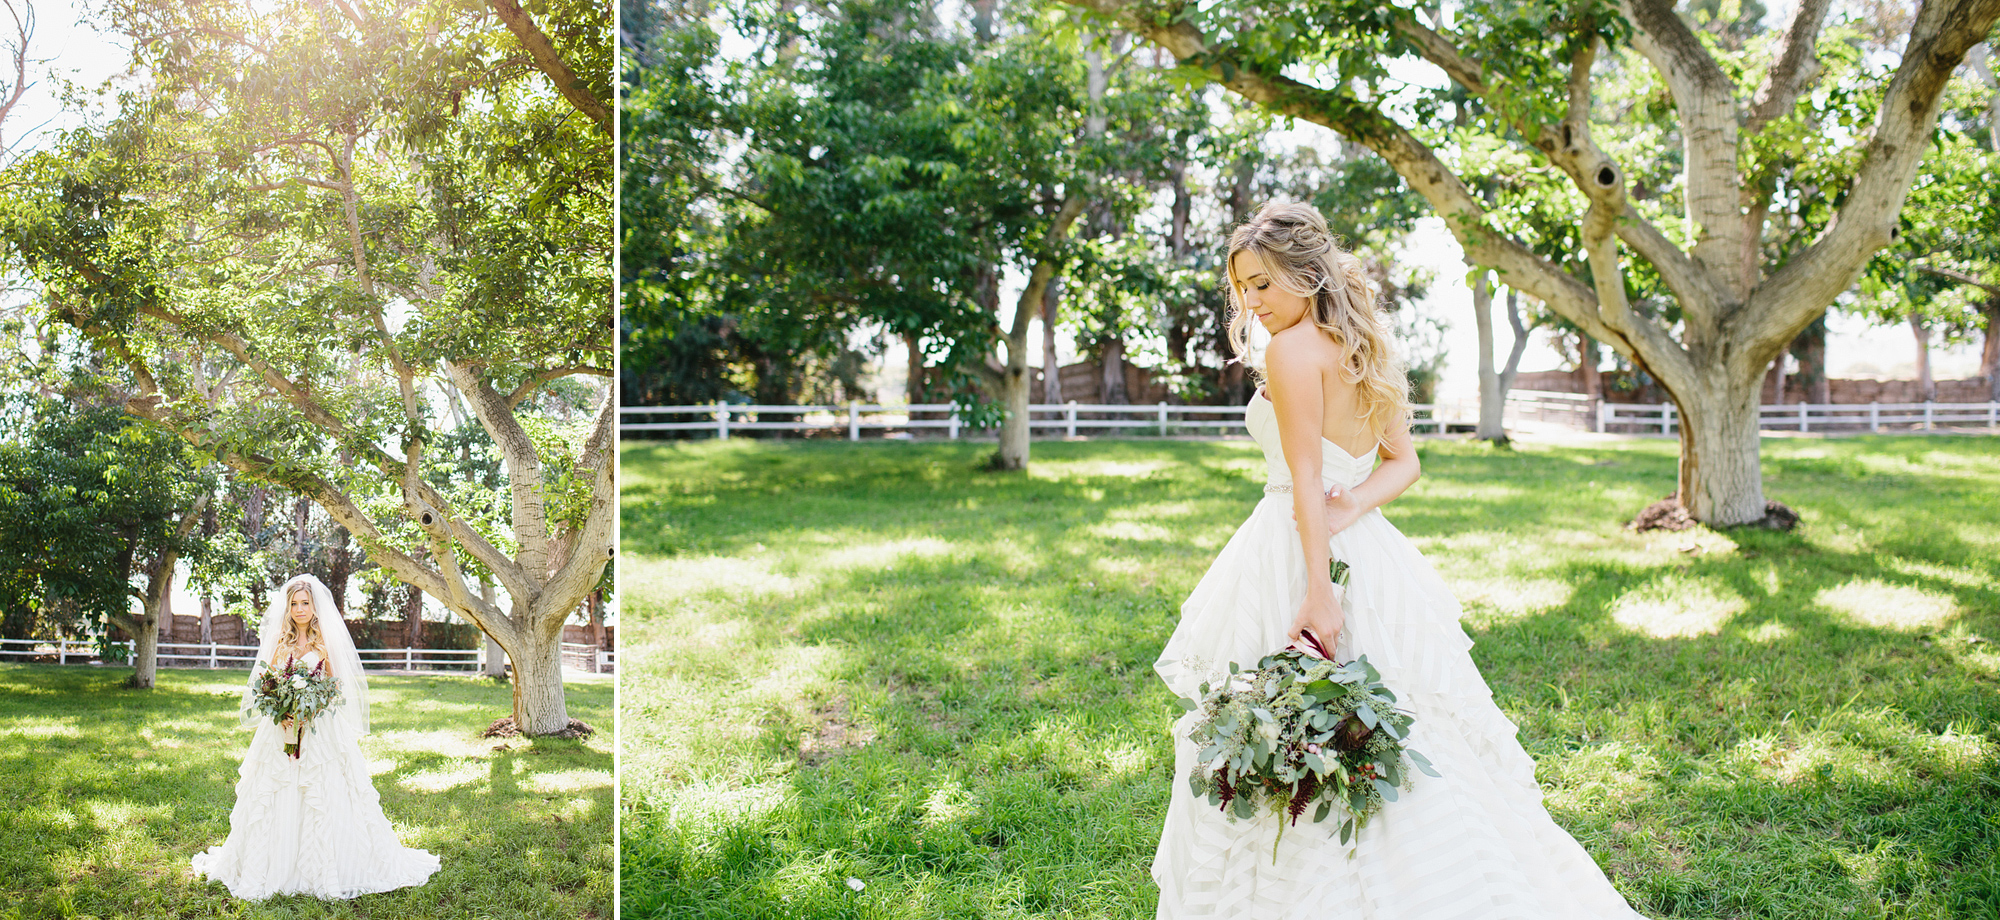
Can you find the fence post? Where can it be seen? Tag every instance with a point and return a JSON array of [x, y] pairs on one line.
[[1874, 415], [721, 421], [854, 420], [1802, 415], [62, 650], [1071, 415], [1927, 416], [1993, 415], [1163, 420], [409, 658], [211, 656], [954, 421], [1602, 406]]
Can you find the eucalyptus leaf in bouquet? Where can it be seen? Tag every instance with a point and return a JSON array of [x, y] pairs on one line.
[[1299, 731], [295, 692]]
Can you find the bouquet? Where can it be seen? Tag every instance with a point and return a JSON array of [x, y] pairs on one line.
[[1299, 730], [295, 692]]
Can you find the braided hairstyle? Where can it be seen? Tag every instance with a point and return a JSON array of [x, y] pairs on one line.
[[1300, 255]]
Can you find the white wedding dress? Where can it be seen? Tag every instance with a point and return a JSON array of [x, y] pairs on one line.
[[1475, 844], [313, 825]]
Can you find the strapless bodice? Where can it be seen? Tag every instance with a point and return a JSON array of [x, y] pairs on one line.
[[1335, 465]]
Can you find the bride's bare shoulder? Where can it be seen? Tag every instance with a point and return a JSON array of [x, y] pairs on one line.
[[1301, 349]]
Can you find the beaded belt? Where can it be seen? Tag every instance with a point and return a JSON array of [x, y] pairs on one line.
[[1274, 487]]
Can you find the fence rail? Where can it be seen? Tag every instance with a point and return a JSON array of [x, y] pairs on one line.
[[1803, 416], [213, 655], [1069, 418], [1573, 410]]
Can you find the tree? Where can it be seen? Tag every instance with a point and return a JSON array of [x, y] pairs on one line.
[[1744, 285], [313, 225], [90, 503]]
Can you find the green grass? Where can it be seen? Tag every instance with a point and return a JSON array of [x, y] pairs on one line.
[[106, 792], [875, 662]]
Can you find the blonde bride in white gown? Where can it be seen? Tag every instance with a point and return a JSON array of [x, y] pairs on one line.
[[310, 824], [1474, 844]]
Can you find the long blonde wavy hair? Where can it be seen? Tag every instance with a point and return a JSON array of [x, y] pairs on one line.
[[288, 634], [1300, 255]]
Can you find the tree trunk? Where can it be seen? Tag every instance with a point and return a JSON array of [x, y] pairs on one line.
[[1051, 367], [1012, 378], [1810, 349], [413, 616], [1593, 379], [1494, 384], [539, 708], [1114, 371], [1492, 402], [913, 387], [1989, 352], [1926, 387], [207, 625], [145, 630], [1720, 484]]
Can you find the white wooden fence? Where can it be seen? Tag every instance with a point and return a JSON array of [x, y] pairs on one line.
[[1925, 416], [1572, 410], [1069, 418], [211, 655]]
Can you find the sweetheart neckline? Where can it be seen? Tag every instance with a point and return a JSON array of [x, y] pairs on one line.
[[1329, 441]]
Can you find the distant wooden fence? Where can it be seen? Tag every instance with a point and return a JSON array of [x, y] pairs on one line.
[[241, 657], [1926, 416], [1571, 410], [1162, 419]]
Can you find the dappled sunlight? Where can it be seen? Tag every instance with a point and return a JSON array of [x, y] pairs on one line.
[[1114, 469], [1507, 598], [1152, 511], [1677, 608], [698, 803], [666, 582], [879, 555], [450, 742], [34, 728], [109, 816], [1961, 576], [947, 803], [1769, 633], [447, 779], [1592, 778], [1871, 602], [567, 781], [1129, 530], [1127, 760]]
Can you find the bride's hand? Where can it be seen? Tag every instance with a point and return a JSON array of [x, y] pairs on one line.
[[1321, 613], [1343, 508]]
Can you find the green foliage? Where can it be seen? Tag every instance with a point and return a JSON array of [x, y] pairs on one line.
[[321, 198], [88, 498]]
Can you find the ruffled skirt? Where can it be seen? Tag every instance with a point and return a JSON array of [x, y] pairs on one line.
[[1476, 843], [310, 826]]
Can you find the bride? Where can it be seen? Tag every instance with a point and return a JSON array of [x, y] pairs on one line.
[[311, 824], [1476, 843]]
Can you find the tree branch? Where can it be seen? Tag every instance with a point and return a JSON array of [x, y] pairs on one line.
[[566, 81], [1797, 293], [1795, 65], [1705, 98]]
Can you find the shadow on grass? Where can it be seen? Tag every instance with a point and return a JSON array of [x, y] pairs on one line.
[[983, 733], [110, 791]]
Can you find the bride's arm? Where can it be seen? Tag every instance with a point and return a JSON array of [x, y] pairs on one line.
[[1299, 402], [1398, 470]]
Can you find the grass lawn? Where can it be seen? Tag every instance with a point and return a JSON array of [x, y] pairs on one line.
[[873, 665], [106, 792]]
